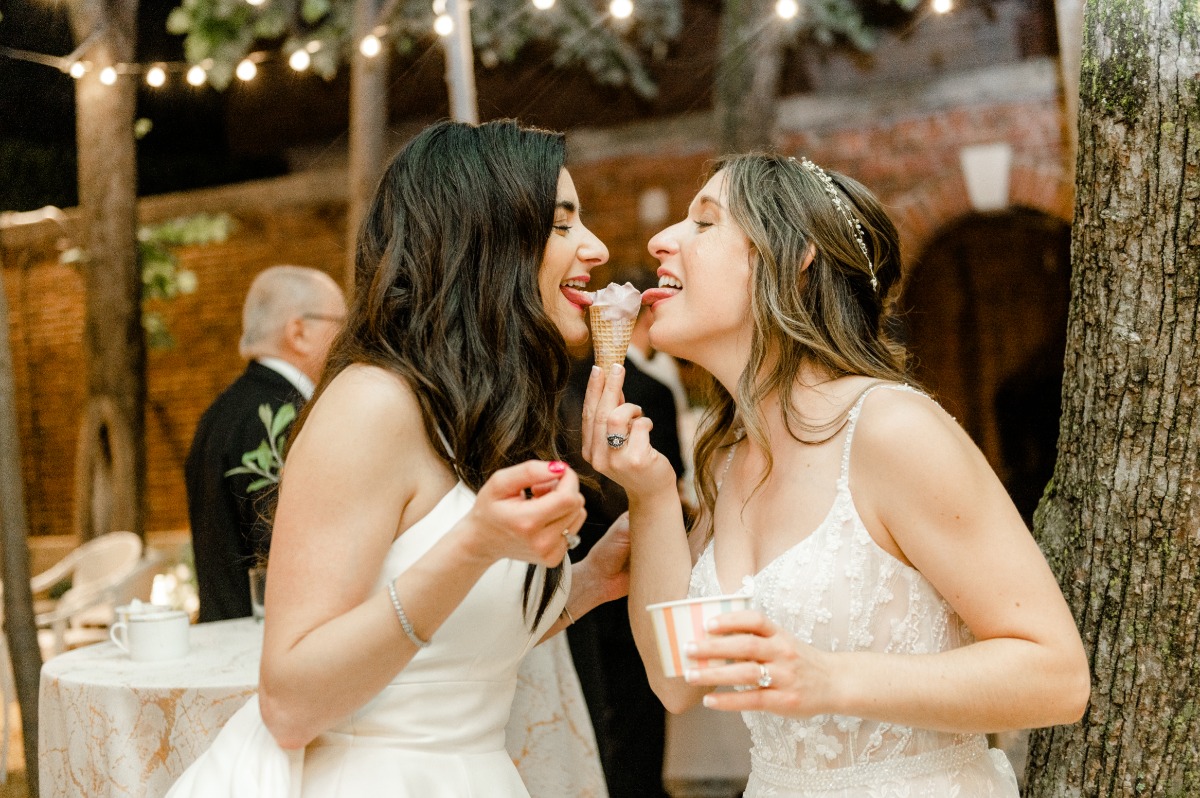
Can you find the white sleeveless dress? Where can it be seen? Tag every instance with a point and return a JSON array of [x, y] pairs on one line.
[[436, 731], [836, 589]]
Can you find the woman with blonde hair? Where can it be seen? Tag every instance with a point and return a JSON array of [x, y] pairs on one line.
[[900, 608]]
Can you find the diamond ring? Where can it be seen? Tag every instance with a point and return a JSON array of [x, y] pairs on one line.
[[764, 676], [617, 441], [572, 540]]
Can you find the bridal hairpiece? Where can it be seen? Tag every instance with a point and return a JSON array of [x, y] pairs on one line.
[[856, 228]]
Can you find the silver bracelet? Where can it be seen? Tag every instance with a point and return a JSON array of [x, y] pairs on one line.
[[570, 617], [405, 623]]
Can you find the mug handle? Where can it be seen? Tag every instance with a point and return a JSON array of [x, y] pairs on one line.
[[119, 638]]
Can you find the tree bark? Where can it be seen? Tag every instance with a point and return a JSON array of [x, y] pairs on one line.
[[368, 125], [749, 65], [1120, 521], [19, 625], [111, 458]]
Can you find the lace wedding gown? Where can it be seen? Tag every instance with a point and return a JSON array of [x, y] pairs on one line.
[[436, 731], [839, 591]]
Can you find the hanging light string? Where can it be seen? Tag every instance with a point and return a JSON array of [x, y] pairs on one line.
[[156, 73]]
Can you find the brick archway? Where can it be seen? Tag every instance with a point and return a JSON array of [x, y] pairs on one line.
[[922, 212]]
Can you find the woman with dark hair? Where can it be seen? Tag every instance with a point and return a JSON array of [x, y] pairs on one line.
[[423, 517], [900, 608]]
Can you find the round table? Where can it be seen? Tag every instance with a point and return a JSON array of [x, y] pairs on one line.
[[108, 726]]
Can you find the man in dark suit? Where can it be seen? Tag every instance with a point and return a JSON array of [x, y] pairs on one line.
[[289, 319], [629, 720]]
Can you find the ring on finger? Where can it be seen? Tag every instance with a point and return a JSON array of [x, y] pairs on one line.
[[572, 539], [616, 440], [764, 676]]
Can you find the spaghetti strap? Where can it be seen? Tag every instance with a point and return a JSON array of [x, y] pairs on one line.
[[852, 421]]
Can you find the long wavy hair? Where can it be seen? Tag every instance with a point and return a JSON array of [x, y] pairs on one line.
[[827, 316], [446, 296]]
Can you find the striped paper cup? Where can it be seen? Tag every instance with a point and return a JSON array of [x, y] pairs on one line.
[[677, 623]]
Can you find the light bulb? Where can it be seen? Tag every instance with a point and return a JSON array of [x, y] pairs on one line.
[[256, 2], [621, 9], [370, 45], [439, 7], [77, 70], [942, 6], [542, 5], [156, 76], [108, 76], [196, 76], [443, 25], [787, 9], [246, 70], [300, 60]]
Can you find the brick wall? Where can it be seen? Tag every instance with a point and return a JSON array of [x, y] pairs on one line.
[[902, 141]]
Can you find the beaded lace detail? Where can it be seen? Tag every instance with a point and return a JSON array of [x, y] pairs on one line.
[[839, 591]]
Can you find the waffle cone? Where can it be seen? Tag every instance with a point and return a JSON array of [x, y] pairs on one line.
[[610, 340]]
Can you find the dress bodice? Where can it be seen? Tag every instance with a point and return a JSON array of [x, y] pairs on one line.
[[455, 694], [838, 590]]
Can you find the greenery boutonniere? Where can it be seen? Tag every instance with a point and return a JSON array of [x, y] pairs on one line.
[[267, 460]]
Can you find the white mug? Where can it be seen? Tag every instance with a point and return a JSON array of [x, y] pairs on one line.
[[152, 636]]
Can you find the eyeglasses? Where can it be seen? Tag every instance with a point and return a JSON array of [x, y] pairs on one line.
[[323, 317]]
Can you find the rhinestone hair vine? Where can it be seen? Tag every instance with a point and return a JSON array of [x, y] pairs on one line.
[[856, 228]]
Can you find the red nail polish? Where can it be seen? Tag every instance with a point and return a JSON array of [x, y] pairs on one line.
[[557, 466]]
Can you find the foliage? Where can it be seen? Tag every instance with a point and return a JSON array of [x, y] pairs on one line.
[[219, 33], [222, 32], [161, 276], [266, 461], [162, 279]]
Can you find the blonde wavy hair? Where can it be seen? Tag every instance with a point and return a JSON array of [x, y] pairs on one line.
[[828, 315]]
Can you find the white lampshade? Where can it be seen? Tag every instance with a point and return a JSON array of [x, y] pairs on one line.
[[986, 169]]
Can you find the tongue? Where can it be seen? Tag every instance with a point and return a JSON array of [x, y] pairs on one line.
[[575, 296], [652, 295]]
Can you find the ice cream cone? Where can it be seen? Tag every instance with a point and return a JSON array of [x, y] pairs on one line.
[[610, 339]]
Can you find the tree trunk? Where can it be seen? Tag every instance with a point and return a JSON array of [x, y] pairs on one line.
[[1120, 520], [368, 125], [748, 69], [19, 625], [111, 458]]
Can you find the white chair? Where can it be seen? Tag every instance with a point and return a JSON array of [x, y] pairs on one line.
[[100, 571]]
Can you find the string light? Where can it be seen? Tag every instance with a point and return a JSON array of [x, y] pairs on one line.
[[300, 60], [370, 46], [246, 70]]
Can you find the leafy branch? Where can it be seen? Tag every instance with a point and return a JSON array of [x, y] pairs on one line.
[[266, 461], [162, 276]]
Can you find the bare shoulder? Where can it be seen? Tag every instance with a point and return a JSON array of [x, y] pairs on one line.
[[368, 397], [360, 424], [904, 435]]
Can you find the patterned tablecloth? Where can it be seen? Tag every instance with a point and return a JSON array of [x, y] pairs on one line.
[[112, 727], [108, 726]]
